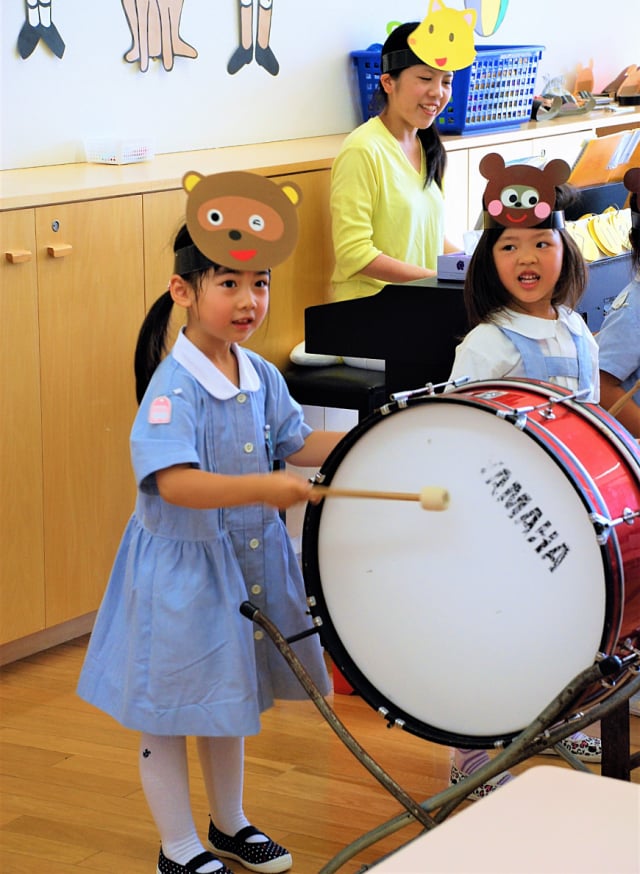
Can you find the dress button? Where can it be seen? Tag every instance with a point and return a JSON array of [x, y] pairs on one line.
[[254, 543], [248, 447], [256, 589], [258, 635], [241, 398]]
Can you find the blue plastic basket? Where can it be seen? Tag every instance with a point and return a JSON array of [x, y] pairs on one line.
[[367, 66], [496, 91]]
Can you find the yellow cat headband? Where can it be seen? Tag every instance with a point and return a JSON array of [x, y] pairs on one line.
[[444, 40]]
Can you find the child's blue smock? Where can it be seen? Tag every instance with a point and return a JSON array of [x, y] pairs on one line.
[[170, 652]]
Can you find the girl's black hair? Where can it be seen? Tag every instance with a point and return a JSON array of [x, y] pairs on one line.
[[152, 337], [634, 233], [484, 293], [436, 155]]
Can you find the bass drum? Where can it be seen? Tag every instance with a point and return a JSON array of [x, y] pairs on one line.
[[462, 625]]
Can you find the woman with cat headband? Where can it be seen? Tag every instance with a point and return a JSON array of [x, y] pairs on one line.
[[387, 205]]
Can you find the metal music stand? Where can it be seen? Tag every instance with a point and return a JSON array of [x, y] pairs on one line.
[[546, 730]]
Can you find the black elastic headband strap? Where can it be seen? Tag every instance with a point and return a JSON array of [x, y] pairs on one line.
[[399, 60], [555, 221], [189, 259]]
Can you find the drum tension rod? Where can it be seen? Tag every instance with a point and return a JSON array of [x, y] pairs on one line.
[[518, 416], [603, 525]]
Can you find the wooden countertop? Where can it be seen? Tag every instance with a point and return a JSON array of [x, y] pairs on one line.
[[66, 183]]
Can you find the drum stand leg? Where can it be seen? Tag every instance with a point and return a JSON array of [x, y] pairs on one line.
[[251, 612], [544, 731]]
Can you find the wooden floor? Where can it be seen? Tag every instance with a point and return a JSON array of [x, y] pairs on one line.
[[71, 802]]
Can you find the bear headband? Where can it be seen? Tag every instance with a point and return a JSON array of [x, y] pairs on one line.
[[520, 195], [443, 40], [238, 220]]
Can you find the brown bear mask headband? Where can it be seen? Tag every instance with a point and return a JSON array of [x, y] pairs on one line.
[[238, 220], [632, 183], [520, 195]]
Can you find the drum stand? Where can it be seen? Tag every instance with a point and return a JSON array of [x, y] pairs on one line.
[[546, 730]]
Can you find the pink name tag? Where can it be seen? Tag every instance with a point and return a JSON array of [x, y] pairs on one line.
[[160, 411]]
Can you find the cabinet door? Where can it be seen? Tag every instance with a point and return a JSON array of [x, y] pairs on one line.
[[304, 279], [91, 289], [565, 146], [22, 554], [163, 216]]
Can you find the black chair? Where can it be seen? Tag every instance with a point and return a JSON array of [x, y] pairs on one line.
[[337, 385]]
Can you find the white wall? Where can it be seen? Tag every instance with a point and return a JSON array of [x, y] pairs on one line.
[[49, 106]]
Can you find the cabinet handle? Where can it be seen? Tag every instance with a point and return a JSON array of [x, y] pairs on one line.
[[60, 250], [18, 256]]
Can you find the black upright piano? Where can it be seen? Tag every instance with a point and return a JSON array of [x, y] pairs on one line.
[[415, 327]]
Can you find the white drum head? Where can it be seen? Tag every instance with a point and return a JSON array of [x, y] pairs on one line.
[[473, 619]]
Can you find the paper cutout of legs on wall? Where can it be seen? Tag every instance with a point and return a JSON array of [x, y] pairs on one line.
[[155, 32], [39, 26], [243, 55]]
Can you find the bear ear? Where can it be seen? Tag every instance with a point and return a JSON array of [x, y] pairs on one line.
[[292, 191], [557, 171], [631, 180], [190, 180], [491, 164]]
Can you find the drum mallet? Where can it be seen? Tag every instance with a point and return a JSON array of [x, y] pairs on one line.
[[619, 404], [430, 497]]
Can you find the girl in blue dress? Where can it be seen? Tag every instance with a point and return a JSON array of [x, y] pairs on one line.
[[170, 654]]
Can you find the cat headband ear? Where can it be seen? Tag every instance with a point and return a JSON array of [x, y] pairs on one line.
[[443, 40], [239, 220], [522, 196], [632, 183]]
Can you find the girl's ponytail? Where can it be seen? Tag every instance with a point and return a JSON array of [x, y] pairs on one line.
[[150, 347]]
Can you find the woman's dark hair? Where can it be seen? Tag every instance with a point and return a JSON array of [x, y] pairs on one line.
[[484, 293], [436, 156], [152, 338]]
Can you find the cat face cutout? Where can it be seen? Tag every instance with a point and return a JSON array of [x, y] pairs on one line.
[[444, 40], [519, 195], [242, 220]]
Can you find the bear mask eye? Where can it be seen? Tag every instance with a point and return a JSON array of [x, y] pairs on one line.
[[215, 217], [530, 197], [256, 222], [509, 197]]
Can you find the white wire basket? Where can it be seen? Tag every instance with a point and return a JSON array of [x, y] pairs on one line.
[[113, 151]]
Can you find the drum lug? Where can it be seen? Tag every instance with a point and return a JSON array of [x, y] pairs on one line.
[[603, 525], [515, 417]]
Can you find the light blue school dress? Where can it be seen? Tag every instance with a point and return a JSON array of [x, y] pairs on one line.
[[170, 652], [619, 338]]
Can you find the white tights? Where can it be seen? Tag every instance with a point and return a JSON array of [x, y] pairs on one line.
[[164, 774]]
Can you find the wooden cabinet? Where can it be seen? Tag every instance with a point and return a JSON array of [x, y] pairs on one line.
[[72, 404], [21, 490]]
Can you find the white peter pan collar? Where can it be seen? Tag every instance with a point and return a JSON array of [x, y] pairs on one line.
[[208, 375], [537, 328]]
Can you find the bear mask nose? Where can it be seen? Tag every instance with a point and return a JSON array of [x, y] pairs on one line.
[[235, 235]]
